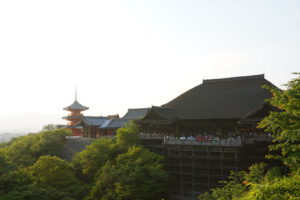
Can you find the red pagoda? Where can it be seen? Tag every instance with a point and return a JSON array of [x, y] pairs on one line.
[[75, 116]]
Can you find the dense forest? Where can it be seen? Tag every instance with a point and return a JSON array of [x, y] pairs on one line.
[[31, 166]]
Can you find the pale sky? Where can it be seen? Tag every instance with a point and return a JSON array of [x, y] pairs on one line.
[[127, 54]]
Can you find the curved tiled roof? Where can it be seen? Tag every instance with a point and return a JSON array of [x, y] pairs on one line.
[[76, 106], [116, 123], [136, 113], [93, 121], [222, 98]]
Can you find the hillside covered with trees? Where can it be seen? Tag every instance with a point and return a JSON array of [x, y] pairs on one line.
[[31, 167]]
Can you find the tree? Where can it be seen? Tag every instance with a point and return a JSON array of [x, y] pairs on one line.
[[128, 135], [285, 124], [117, 168], [25, 150], [26, 173], [49, 127], [90, 160], [135, 175], [281, 188], [17, 185], [232, 189], [3, 163], [53, 173]]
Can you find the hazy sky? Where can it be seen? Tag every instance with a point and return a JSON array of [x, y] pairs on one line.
[[125, 54]]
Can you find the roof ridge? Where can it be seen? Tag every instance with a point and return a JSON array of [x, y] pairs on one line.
[[161, 107], [259, 76], [119, 119], [94, 116], [138, 108]]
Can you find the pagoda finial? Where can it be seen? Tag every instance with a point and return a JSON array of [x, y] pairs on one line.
[[75, 93]]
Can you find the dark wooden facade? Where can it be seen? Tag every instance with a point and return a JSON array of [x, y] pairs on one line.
[[196, 168]]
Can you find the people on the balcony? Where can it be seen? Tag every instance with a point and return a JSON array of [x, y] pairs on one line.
[[229, 138]]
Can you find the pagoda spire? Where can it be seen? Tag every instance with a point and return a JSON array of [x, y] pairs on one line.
[[75, 93]]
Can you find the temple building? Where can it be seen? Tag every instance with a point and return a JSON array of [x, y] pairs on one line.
[[95, 127], [209, 131], [75, 116]]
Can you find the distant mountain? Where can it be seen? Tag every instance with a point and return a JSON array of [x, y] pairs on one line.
[[27, 122], [6, 137]]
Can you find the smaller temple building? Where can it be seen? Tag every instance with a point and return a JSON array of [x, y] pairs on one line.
[[95, 127]]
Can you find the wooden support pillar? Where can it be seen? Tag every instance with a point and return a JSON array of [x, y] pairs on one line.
[[176, 130], [181, 175], [236, 159], [208, 166], [222, 162], [193, 170]]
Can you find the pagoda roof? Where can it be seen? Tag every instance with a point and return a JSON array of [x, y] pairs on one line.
[[76, 106], [230, 98]]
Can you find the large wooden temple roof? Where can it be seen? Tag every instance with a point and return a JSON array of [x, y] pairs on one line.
[[230, 98]]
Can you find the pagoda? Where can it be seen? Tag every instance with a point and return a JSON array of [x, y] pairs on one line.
[[75, 116]]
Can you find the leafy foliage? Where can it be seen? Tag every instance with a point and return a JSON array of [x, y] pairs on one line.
[[242, 184], [282, 188], [121, 168], [30, 168], [286, 124], [128, 135], [89, 161], [135, 175], [53, 173], [17, 185], [49, 127], [232, 188], [25, 150]]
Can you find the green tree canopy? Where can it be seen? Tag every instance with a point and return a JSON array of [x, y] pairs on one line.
[[49, 127], [17, 185], [53, 173], [128, 135], [135, 175], [31, 168], [281, 188], [89, 161], [25, 150], [285, 124]]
